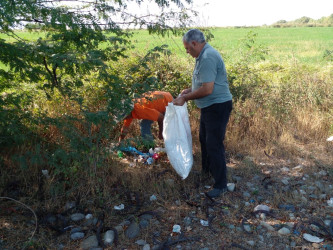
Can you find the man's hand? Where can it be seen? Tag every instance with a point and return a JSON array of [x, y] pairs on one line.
[[179, 101], [185, 91]]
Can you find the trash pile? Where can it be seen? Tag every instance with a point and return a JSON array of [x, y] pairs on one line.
[[146, 158]]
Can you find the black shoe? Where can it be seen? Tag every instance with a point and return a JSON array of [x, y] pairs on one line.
[[216, 192]]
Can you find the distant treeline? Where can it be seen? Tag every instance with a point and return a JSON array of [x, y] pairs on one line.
[[306, 22]]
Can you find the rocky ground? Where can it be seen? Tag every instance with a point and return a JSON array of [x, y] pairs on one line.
[[271, 204]]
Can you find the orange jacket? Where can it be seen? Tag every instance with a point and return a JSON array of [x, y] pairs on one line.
[[149, 107]]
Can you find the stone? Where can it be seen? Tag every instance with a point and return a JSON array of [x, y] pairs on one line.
[[141, 242], [143, 223], [132, 231], [108, 237], [146, 247], [90, 242], [77, 235], [284, 231], [77, 217], [267, 226]]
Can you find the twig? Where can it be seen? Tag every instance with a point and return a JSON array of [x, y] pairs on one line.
[[8, 198]]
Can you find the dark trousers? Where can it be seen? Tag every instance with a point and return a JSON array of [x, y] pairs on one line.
[[213, 124]]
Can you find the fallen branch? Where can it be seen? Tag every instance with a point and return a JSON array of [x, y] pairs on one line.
[[8, 198]]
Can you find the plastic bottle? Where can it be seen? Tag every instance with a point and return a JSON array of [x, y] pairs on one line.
[[120, 154]]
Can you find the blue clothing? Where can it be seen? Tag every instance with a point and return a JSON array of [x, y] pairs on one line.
[[146, 129], [209, 67]]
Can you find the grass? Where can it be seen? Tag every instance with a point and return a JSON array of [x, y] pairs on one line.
[[305, 44]]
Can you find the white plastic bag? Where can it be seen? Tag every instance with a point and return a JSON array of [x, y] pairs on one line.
[[178, 139]]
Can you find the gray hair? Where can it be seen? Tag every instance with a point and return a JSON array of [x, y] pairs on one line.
[[194, 35]]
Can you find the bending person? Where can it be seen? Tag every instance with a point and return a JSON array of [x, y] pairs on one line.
[[149, 108]]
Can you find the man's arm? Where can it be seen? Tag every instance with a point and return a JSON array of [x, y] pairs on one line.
[[123, 133], [205, 90]]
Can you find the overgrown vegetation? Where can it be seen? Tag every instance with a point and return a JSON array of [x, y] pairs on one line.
[[61, 98]]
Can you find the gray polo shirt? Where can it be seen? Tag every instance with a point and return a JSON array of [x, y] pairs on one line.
[[209, 67]]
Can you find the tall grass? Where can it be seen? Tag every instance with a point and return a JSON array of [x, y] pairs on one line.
[[283, 106]]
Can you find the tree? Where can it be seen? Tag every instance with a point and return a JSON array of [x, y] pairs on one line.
[[78, 42], [74, 31]]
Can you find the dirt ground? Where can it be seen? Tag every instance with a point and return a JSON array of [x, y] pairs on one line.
[[295, 191]]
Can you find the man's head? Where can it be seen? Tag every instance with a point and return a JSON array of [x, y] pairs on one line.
[[194, 41]]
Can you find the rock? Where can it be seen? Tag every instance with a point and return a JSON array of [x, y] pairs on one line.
[[187, 221], [262, 207], [143, 223], [90, 242], [267, 226], [251, 243], [311, 238], [285, 181], [77, 217], [108, 237], [132, 231], [146, 217], [247, 228], [119, 228], [284, 231], [141, 242], [246, 194], [76, 229], [146, 247], [77, 235]]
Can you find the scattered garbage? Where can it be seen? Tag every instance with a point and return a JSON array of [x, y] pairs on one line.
[[150, 160], [204, 223], [330, 202], [89, 216], [262, 208], [176, 229], [153, 198], [231, 187], [119, 207], [330, 138], [120, 154], [311, 238], [46, 173]]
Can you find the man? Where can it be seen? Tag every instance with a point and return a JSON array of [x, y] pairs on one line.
[[210, 91], [151, 107]]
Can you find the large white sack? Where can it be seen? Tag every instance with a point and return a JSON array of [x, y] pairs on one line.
[[178, 139]]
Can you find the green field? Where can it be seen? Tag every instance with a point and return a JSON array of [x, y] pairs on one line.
[[306, 44]]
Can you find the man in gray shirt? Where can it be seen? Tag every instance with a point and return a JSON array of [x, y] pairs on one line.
[[210, 92]]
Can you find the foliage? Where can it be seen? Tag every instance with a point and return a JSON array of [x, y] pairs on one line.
[[306, 22], [244, 80], [70, 96]]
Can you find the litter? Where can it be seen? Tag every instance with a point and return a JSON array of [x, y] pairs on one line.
[[176, 229], [119, 207], [204, 223], [178, 139]]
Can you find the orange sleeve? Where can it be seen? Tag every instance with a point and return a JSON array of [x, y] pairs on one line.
[[143, 112], [127, 122]]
